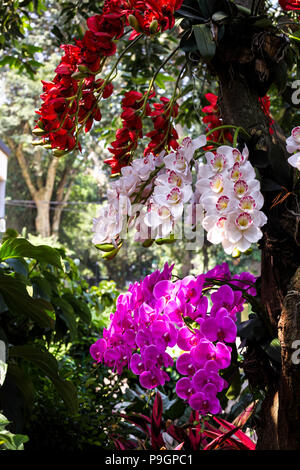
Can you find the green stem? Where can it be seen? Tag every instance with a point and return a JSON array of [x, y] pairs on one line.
[[155, 75], [228, 126]]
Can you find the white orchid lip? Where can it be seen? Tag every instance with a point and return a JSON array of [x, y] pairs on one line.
[[243, 221], [174, 179], [218, 163], [247, 204], [296, 134], [174, 196], [221, 222], [222, 203], [238, 157], [236, 173], [217, 184], [180, 162], [240, 188]]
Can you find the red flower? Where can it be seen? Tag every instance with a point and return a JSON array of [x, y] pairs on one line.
[[290, 4], [164, 134], [213, 120], [110, 23], [265, 106]]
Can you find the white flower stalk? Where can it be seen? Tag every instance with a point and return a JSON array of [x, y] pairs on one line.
[[153, 193], [231, 197], [293, 146]]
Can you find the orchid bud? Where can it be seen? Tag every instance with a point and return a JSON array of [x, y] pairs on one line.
[[148, 243], [106, 247]]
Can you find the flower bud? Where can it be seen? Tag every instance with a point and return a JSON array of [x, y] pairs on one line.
[[111, 254], [148, 243], [166, 241], [153, 28], [83, 69], [106, 247], [59, 152], [134, 23], [38, 131], [37, 142], [78, 75]]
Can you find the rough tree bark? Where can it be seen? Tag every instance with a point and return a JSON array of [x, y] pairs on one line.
[[244, 71]]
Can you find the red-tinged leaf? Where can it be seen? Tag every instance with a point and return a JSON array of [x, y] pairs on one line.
[[212, 434], [141, 421], [242, 418], [179, 447], [239, 434], [157, 411], [219, 440], [122, 444], [119, 445], [177, 433], [156, 423]]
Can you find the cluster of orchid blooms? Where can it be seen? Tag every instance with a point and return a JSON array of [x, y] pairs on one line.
[[293, 147], [158, 314], [71, 100], [155, 192]]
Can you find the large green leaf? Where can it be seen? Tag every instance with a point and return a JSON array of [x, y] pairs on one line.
[[18, 300], [67, 314], [22, 248], [48, 364], [204, 40], [79, 306]]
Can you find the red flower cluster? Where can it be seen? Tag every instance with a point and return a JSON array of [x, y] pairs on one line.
[[71, 99], [265, 106], [290, 4], [127, 137], [136, 106], [164, 134], [152, 16], [213, 120]]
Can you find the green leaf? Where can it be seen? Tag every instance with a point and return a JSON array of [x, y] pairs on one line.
[[48, 364], [22, 248], [273, 349], [18, 300], [79, 307], [204, 40], [18, 265], [188, 42], [161, 79], [67, 314], [235, 386], [24, 384]]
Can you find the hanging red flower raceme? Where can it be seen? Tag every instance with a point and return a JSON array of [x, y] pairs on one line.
[[71, 100]]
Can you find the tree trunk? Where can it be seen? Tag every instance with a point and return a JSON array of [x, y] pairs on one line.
[[42, 220], [239, 92]]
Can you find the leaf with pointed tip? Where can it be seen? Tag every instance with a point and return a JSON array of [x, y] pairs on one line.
[[204, 40], [22, 248]]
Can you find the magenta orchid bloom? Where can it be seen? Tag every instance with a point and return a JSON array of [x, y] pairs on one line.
[[157, 314]]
